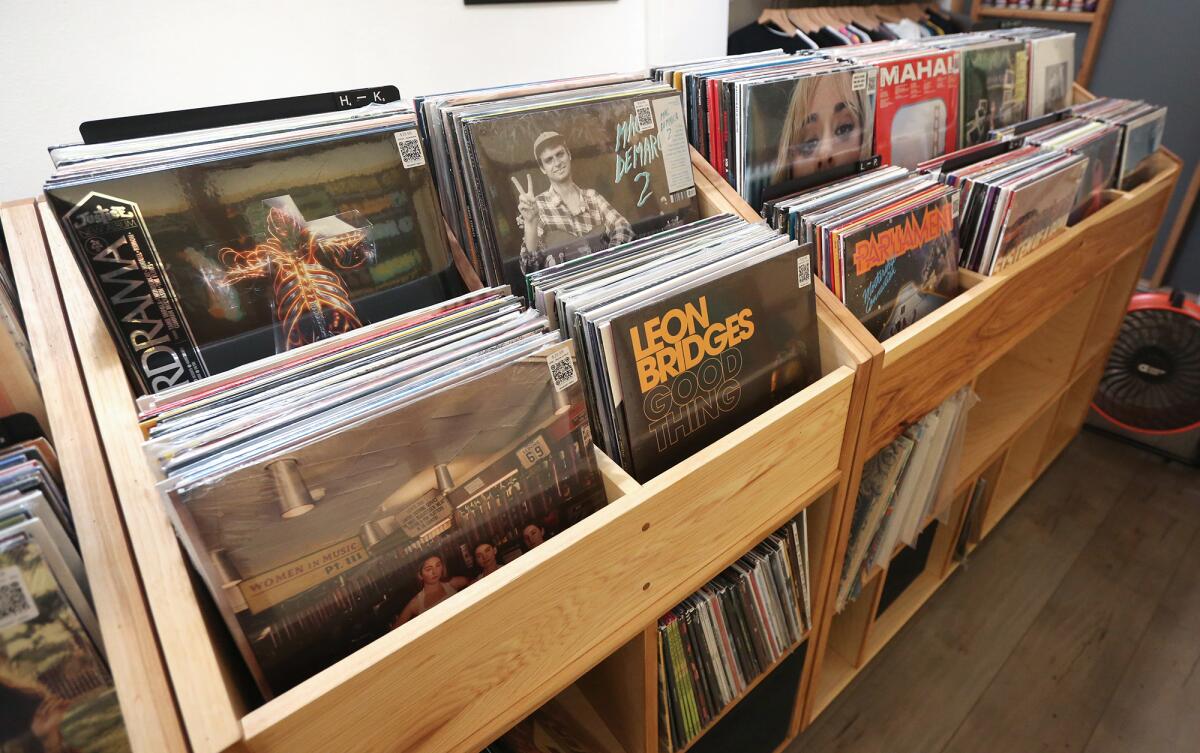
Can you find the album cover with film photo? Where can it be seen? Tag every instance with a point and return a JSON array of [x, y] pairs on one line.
[[203, 266], [567, 179], [698, 363], [319, 549]]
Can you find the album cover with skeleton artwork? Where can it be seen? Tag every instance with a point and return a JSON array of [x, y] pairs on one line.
[[203, 259]]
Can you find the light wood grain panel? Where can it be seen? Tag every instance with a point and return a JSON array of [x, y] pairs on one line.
[[623, 689], [929, 360], [205, 700], [147, 702]]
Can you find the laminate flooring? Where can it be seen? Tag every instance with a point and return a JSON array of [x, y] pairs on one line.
[[1074, 627]]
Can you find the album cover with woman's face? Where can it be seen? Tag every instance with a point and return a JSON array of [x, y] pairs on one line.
[[800, 127], [55, 692], [567, 179], [313, 554], [204, 266]]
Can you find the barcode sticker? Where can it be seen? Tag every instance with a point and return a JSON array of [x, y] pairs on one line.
[[16, 605], [645, 117], [859, 81], [474, 485], [803, 271], [409, 144], [562, 369]]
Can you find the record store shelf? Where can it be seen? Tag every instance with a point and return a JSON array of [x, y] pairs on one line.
[[579, 608], [1032, 341]]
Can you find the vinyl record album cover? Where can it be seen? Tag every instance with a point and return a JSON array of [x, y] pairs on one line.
[[917, 108], [314, 552], [55, 692], [698, 364], [903, 267], [797, 127], [202, 266], [566, 179], [1038, 211], [994, 88]]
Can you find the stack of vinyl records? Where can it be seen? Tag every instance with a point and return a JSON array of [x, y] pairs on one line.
[[1012, 202], [51, 655], [718, 641], [1099, 142], [886, 243], [767, 120], [685, 335], [901, 489], [1142, 127], [1051, 66], [207, 250], [537, 174], [994, 82], [339, 490], [916, 110]]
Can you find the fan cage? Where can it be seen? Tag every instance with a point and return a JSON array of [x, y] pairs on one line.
[[1166, 408]]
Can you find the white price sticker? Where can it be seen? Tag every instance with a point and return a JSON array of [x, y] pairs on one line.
[[533, 453]]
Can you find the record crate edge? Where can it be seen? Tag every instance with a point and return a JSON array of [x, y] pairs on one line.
[[143, 689], [459, 676]]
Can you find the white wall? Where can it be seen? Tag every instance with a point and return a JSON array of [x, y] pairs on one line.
[[66, 61]]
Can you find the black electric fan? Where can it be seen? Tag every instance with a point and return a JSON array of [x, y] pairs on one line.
[[1150, 390]]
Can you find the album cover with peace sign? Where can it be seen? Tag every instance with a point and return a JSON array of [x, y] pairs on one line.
[[575, 175]]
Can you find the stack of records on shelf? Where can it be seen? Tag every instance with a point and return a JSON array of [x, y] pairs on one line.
[[339, 490], [1051, 66], [994, 82], [685, 335], [719, 641], [767, 120], [886, 243], [1099, 142], [567, 723], [59, 692], [902, 488], [916, 110], [207, 250], [1142, 127], [539, 174], [1011, 202]]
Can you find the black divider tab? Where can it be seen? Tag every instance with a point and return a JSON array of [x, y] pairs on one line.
[[160, 123]]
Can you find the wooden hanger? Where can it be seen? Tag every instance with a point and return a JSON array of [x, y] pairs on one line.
[[777, 18]]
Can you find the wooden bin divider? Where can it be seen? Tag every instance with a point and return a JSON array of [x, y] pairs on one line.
[[147, 704], [464, 672]]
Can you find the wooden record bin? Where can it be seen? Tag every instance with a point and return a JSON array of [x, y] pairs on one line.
[[581, 607], [1032, 341]]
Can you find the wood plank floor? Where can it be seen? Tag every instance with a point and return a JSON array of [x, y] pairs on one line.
[[1074, 627]]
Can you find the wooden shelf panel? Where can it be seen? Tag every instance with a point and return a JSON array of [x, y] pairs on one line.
[[929, 360], [1027, 14], [458, 676], [131, 643]]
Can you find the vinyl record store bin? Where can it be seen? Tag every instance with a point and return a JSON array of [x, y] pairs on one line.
[[462, 674], [582, 608]]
